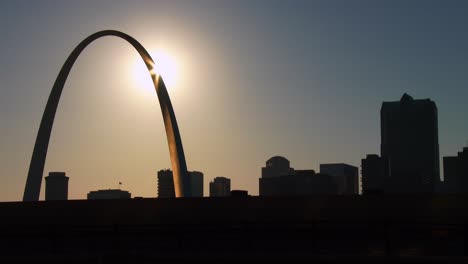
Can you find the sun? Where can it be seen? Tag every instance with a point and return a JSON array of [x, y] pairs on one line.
[[164, 65]]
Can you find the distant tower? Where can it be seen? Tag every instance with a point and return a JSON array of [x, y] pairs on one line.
[[220, 187], [165, 184], [410, 142], [56, 186], [196, 184]]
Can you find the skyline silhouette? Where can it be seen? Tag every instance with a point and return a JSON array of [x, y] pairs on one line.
[[409, 164], [255, 80], [302, 140]]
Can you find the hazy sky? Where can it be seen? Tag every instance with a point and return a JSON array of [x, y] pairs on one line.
[[255, 79]]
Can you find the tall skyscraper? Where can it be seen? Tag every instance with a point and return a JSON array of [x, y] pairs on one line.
[[410, 142], [220, 187], [456, 173], [345, 176], [166, 184], [56, 186]]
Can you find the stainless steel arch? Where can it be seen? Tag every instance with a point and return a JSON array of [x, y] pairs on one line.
[[176, 151]]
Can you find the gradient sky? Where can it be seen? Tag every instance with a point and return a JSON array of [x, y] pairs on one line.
[[301, 79]]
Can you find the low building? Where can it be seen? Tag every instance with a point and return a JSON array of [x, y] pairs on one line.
[[239, 193], [374, 174], [220, 187], [279, 179], [303, 183], [456, 173], [346, 177], [109, 194], [56, 186], [166, 184]]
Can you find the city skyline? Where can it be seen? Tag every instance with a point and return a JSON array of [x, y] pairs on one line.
[[260, 93]]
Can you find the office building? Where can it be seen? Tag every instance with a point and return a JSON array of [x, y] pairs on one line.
[[345, 176], [456, 173], [298, 185], [279, 179], [374, 174], [220, 187], [276, 166], [410, 142], [196, 183], [166, 184], [56, 187]]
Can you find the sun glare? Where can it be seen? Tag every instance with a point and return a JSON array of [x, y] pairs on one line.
[[164, 65]]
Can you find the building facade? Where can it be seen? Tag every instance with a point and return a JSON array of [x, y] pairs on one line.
[[279, 179], [166, 184], [276, 166], [456, 173], [220, 187], [196, 183], [410, 142], [298, 185], [345, 176], [374, 174], [56, 187]]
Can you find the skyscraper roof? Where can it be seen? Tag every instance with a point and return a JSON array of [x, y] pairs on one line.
[[406, 97]]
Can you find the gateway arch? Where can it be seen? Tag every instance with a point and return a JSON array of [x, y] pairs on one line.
[[176, 151]]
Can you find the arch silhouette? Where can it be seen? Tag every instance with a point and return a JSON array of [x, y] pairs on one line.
[[176, 151]]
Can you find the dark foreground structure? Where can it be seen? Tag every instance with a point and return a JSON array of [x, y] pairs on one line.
[[321, 229]]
